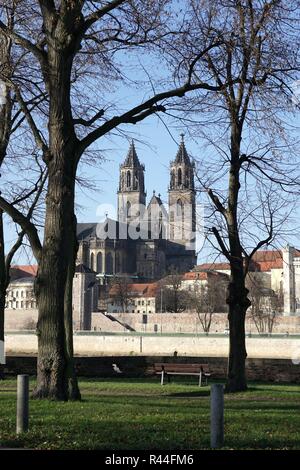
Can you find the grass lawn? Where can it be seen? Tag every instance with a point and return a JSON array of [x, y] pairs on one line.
[[141, 414]]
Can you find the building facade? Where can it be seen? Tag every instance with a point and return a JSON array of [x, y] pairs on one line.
[[274, 272], [146, 240]]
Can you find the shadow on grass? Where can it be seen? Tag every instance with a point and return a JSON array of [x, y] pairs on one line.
[[194, 394]]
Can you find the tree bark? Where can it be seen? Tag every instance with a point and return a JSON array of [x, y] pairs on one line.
[[237, 300], [51, 285], [73, 388], [3, 287], [56, 269], [238, 303]]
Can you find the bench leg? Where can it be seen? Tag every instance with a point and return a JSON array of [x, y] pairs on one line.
[[200, 379], [162, 377]]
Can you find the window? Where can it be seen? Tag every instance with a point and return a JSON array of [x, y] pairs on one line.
[[17, 293], [17, 304], [22, 304], [149, 302], [92, 261], [128, 179], [128, 209], [109, 268], [179, 176], [22, 293], [99, 262]]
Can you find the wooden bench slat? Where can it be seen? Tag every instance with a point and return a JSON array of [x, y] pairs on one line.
[[167, 368]]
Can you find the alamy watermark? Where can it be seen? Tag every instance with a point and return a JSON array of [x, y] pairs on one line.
[[183, 223]]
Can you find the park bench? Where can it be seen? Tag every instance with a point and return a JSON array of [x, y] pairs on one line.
[[167, 369]]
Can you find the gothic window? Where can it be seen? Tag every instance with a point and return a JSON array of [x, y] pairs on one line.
[[128, 179], [92, 261], [180, 217], [187, 178], [136, 179], [179, 208], [109, 266], [99, 262], [128, 209], [172, 179], [179, 177]]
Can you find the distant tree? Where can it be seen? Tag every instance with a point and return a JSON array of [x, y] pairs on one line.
[[120, 291], [266, 305], [210, 298], [173, 297]]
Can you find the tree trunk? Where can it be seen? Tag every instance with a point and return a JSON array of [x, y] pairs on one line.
[[3, 287], [73, 389], [237, 300], [51, 285], [55, 366], [238, 304]]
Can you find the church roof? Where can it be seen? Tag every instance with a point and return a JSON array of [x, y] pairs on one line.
[[86, 230], [132, 159], [23, 280], [82, 268], [156, 201], [182, 155]]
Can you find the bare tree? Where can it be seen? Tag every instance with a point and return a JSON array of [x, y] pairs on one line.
[[252, 156], [173, 297], [210, 298], [25, 196], [266, 304], [120, 291], [68, 42]]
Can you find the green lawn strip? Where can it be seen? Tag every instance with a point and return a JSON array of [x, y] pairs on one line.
[[141, 414]]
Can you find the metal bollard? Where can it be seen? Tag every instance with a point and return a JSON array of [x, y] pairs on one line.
[[22, 403], [216, 416]]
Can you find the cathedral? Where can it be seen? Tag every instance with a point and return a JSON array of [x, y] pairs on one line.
[[147, 241]]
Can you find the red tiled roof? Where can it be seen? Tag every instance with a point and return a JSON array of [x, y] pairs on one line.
[[212, 266], [265, 260], [191, 276], [18, 271], [262, 261], [137, 290]]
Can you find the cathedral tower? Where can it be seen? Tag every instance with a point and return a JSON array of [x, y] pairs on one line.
[[182, 209], [131, 193]]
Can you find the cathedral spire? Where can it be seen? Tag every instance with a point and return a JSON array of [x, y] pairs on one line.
[[131, 192], [182, 155], [132, 159], [182, 169]]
